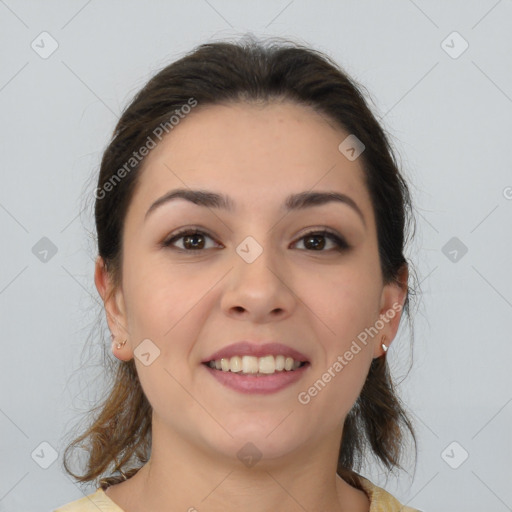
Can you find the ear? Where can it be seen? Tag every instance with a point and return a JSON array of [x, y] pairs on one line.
[[392, 303], [113, 301]]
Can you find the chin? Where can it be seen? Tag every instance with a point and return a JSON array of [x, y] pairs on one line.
[[263, 440]]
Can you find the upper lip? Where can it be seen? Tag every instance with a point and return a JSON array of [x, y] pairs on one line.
[[247, 348]]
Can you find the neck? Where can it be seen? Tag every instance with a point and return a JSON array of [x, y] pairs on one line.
[[181, 476]]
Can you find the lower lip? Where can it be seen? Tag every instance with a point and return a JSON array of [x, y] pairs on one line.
[[265, 384]]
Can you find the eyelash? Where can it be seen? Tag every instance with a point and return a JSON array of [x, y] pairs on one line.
[[341, 244]]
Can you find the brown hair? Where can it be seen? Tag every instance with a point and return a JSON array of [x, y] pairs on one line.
[[119, 437]]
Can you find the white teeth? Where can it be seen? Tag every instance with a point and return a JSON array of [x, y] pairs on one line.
[[235, 364], [249, 364], [255, 365], [267, 364]]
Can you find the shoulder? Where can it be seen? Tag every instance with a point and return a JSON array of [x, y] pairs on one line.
[[91, 503], [381, 500]]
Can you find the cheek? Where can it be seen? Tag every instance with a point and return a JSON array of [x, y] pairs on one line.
[[155, 298], [162, 300], [348, 305], [345, 301]]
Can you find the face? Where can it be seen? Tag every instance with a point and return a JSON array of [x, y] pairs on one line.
[[301, 278]]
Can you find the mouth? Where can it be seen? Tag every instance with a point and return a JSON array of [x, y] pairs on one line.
[[256, 366]]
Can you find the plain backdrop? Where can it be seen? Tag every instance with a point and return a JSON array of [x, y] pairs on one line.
[[439, 77]]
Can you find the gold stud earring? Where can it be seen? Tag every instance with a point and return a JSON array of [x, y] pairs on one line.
[[119, 345]]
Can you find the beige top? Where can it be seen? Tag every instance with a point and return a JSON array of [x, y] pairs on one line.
[[380, 500]]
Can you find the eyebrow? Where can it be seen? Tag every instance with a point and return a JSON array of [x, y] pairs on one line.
[[293, 202]]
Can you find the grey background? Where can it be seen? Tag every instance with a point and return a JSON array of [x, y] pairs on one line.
[[450, 119]]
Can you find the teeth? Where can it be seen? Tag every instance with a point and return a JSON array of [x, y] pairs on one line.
[[249, 364], [255, 365], [235, 364], [267, 364]]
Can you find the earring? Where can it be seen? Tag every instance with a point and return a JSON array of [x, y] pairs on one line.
[[119, 345], [384, 347]]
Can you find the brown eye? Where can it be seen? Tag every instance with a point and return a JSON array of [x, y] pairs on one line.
[[192, 240], [316, 241]]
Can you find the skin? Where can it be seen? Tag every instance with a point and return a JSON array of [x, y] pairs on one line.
[[192, 304]]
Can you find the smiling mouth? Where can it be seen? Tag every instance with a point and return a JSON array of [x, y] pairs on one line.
[[256, 366]]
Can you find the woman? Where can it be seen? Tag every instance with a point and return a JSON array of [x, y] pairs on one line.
[[251, 223]]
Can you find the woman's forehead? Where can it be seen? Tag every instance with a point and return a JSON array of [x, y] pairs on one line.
[[249, 151]]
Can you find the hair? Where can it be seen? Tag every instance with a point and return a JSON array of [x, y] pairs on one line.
[[119, 435]]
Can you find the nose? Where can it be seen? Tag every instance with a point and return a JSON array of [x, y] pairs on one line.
[[259, 291]]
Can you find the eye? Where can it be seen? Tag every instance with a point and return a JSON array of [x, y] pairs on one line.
[[315, 241], [193, 240]]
